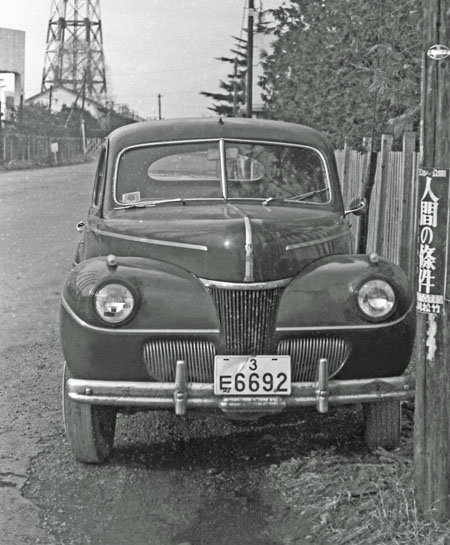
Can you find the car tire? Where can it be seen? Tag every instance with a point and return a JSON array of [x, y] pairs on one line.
[[90, 429], [382, 424]]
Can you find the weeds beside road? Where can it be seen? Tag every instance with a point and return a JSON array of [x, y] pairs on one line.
[[357, 499]]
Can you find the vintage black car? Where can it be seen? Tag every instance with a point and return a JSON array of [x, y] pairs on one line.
[[216, 272]]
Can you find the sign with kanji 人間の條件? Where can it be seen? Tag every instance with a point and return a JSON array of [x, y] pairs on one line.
[[432, 239]]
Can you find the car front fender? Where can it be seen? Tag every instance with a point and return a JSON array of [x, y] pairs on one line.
[[324, 294], [168, 297]]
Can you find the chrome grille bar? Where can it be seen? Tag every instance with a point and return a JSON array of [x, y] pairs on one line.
[[306, 352], [161, 355], [247, 318]]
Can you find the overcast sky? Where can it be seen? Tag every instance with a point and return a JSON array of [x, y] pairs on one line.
[[150, 46]]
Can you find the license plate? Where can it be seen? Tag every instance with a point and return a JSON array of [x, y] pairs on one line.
[[252, 375]]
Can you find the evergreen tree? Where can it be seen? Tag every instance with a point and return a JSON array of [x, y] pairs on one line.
[[232, 99], [346, 67]]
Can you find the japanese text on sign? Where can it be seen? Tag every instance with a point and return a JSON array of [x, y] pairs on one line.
[[432, 238]]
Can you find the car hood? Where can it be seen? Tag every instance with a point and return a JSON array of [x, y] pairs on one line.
[[227, 242]]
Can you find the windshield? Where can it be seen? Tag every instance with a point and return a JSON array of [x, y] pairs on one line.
[[260, 171]]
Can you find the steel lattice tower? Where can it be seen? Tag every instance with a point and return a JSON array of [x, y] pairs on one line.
[[74, 54]]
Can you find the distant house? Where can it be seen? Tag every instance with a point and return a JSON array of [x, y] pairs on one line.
[[59, 97], [12, 59], [109, 116]]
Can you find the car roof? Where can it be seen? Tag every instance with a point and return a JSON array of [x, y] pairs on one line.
[[214, 127]]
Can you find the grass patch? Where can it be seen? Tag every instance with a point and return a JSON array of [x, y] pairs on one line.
[[352, 499]]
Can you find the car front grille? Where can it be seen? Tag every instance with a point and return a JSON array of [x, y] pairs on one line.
[[305, 353], [161, 355], [247, 318]]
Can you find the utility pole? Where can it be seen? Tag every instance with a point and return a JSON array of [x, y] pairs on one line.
[[21, 111], [50, 97], [159, 106], [82, 120], [251, 16], [432, 410], [235, 98]]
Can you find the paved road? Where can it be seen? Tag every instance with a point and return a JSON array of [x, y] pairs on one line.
[[171, 480]]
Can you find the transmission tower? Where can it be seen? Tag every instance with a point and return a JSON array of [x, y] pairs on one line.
[[74, 52]]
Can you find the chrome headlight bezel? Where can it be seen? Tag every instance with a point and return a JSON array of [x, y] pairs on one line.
[[370, 295], [104, 295]]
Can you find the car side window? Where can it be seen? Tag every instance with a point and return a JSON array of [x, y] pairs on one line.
[[99, 178]]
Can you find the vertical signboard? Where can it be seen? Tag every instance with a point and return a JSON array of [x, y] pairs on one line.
[[432, 239]]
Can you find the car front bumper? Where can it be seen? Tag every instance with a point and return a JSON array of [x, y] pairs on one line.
[[182, 396]]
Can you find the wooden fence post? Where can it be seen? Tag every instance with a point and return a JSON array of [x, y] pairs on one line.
[[407, 222], [370, 169], [345, 170], [386, 148]]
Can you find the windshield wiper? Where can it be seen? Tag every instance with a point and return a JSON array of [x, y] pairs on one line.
[[296, 198], [149, 203]]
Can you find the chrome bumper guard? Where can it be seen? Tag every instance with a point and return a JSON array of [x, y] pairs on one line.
[[183, 395]]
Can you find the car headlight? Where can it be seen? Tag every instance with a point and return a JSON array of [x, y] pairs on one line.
[[114, 303], [376, 299]]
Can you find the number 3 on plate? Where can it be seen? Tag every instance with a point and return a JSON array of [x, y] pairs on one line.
[[253, 365]]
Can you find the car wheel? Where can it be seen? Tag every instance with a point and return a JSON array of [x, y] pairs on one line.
[[382, 424], [89, 428]]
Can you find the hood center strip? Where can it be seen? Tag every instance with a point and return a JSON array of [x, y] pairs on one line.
[[249, 254]]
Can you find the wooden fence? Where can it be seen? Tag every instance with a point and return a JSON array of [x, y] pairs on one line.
[[392, 187], [43, 150]]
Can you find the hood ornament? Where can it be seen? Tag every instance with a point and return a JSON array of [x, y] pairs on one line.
[[249, 275]]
